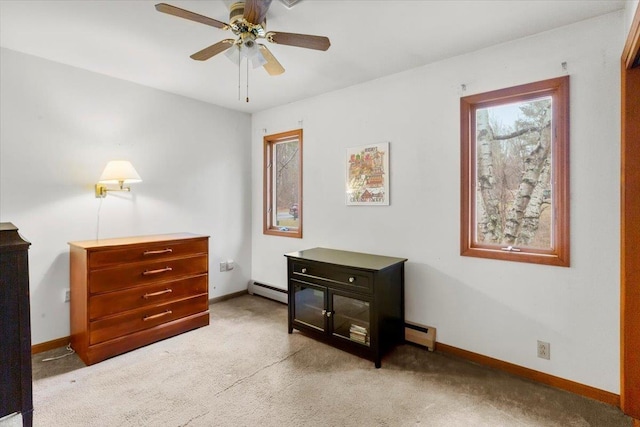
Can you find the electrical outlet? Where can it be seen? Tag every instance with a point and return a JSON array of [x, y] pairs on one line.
[[544, 350], [67, 295], [230, 264], [223, 266]]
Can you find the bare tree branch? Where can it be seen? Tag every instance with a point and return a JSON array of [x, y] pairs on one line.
[[521, 132]]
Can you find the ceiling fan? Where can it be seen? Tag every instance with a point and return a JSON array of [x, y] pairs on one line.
[[247, 20]]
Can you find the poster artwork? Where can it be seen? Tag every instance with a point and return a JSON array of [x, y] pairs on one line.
[[368, 175]]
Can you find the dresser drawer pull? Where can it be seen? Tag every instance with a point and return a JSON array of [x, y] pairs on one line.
[[155, 316], [352, 279], [304, 270], [160, 270], [161, 251], [155, 294]]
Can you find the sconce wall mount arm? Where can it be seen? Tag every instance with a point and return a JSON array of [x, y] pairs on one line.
[[118, 172]]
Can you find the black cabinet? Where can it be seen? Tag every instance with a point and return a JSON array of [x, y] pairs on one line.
[[15, 325], [351, 300]]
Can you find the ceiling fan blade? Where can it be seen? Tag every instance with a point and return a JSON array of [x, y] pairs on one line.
[[176, 11], [255, 11], [273, 67], [213, 50], [299, 40]]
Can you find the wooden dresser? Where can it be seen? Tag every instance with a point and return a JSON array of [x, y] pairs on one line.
[[130, 292]]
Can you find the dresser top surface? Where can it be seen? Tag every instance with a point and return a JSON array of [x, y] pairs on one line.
[[346, 258], [119, 241]]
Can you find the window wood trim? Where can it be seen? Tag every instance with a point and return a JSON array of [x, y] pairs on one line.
[[559, 254], [268, 142]]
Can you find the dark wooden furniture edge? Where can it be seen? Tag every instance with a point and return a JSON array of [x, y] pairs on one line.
[[16, 388]]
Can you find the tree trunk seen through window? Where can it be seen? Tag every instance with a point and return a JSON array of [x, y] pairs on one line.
[[513, 158], [286, 181]]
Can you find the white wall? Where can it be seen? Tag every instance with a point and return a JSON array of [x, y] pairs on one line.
[[629, 12], [495, 308], [59, 127]]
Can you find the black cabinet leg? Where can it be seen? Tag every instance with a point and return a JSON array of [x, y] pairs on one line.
[[27, 418]]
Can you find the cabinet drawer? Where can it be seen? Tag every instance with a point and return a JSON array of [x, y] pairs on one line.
[[145, 318], [131, 275], [144, 296], [146, 252], [346, 277]]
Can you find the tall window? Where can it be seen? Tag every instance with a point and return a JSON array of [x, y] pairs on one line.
[[283, 184], [515, 173]]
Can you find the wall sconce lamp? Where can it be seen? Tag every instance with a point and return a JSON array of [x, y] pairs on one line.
[[119, 172]]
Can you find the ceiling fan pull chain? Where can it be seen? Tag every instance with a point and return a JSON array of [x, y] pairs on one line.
[[239, 65], [247, 79]]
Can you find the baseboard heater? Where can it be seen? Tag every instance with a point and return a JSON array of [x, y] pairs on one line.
[[268, 291], [419, 334]]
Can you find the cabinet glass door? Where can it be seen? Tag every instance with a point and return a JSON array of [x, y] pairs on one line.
[[308, 307], [351, 317]]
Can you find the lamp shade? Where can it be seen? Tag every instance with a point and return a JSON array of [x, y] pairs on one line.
[[119, 171]]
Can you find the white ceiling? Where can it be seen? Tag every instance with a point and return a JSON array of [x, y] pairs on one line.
[[130, 40]]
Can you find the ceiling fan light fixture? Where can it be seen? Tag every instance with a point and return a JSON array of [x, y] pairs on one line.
[[233, 53], [257, 59], [250, 52]]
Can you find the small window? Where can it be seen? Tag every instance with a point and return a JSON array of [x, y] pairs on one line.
[[283, 184], [515, 173]]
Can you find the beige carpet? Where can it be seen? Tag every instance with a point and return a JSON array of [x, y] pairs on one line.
[[246, 370]]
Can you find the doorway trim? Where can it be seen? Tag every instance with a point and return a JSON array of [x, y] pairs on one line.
[[630, 224]]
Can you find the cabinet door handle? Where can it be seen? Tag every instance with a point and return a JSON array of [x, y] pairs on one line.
[[324, 312], [160, 270], [352, 279], [161, 251], [304, 270], [155, 316], [329, 313], [155, 294]]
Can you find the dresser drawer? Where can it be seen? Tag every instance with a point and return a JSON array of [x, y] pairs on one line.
[[133, 321], [346, 277], [130, 275], [146, 252], [144, 296]]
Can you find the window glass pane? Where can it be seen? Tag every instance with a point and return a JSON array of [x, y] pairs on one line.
[[309, 306], [286, 177], [513, 174], [282, 212], [351, 319]]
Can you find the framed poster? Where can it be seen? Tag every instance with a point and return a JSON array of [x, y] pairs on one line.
[[368, 175]]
